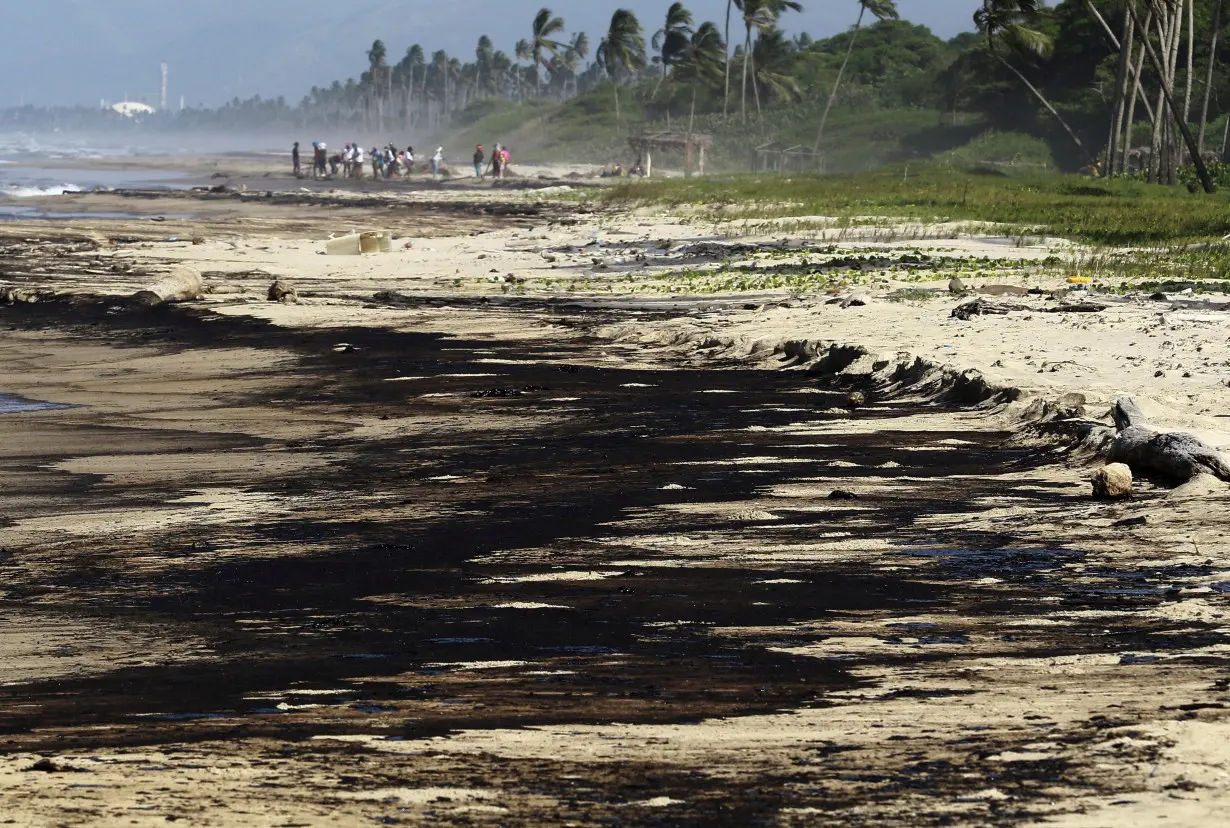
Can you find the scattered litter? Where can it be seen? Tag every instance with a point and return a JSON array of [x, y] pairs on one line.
[[355, 244]]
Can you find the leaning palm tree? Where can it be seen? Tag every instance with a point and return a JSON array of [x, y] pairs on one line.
[[622, 49], [881, 10], [1005, 26], [773, 56], [672, 40], [706, 52], [759, 16], [580, 48], [570, 62], [545, 27]]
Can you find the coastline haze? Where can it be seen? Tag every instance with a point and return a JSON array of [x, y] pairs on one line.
[[226, 48]]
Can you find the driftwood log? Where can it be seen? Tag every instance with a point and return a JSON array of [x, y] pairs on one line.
[[181, 285], [1170, 457], [283, 292]]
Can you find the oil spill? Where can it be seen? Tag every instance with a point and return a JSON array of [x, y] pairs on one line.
[[551, 562]]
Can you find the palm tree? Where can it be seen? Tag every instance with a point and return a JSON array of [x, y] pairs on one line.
[[415, 64], [760, 15], [501, 66], [544, 27], [377, 57], [1004, 23], [774, 59], [523, 51], [568, 65], [1208, 81], [881, 10], [672, 40], [726, 56], [484, 79], [578, 49], [622, 49], [1168, 95], [705, 55]]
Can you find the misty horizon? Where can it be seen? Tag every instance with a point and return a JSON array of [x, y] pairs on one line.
[[282, 48]]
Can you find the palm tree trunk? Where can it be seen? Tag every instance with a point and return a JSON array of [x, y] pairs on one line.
[[1159, 125], [1171, 59], [1137, 95], [747, 51], [1201, 170], [1042, 100], [1191, 45], [841, 71], [756, 86], [1208, 78], [726, 97], [1172, 145], [1116, 118]]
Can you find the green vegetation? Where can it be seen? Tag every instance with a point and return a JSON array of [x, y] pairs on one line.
[[1116, 212]]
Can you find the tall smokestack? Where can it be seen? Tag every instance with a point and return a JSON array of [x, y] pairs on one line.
[[164, 87]]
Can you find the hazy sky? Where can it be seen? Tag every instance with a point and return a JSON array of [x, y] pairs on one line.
[[78, 51]]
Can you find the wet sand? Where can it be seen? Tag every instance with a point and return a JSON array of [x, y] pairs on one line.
[[471, 553]]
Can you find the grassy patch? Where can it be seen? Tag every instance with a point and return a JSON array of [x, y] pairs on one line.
[[1118, 212]]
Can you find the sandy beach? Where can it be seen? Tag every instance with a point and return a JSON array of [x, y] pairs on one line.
[[536, 519]]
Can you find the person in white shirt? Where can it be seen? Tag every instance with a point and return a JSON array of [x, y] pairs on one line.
[[436, 161]]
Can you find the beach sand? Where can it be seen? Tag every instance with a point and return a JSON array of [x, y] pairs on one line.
[[505, 527]]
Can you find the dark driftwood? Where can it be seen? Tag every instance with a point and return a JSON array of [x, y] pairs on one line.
[[1077, 307], [983, 307], [1172, 457]]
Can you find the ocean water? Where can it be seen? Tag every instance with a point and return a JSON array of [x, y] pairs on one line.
[[13, 404], [33, 165]]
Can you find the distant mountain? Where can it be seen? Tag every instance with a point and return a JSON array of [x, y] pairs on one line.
[[79, 51]]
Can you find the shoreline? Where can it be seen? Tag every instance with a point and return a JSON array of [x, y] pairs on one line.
[[502, 506]]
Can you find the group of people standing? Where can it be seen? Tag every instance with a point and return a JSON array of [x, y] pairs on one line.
[[389, 162], [498, 166]]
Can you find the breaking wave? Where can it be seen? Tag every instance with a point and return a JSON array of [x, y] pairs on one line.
[[29, 191]]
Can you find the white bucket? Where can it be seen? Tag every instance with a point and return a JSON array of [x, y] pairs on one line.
[[355, 244]]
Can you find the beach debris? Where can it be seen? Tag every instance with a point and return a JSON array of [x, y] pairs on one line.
[[955, 285], [1172, 457], [392, 297], [1002, 290], [850, 300], [183, 284], [283, 292], [17, 296], [497, 392], [1112, 482], [1077, 307], [356, 244], [842, 494], [983, 307], [46, 765], [855, 399]]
